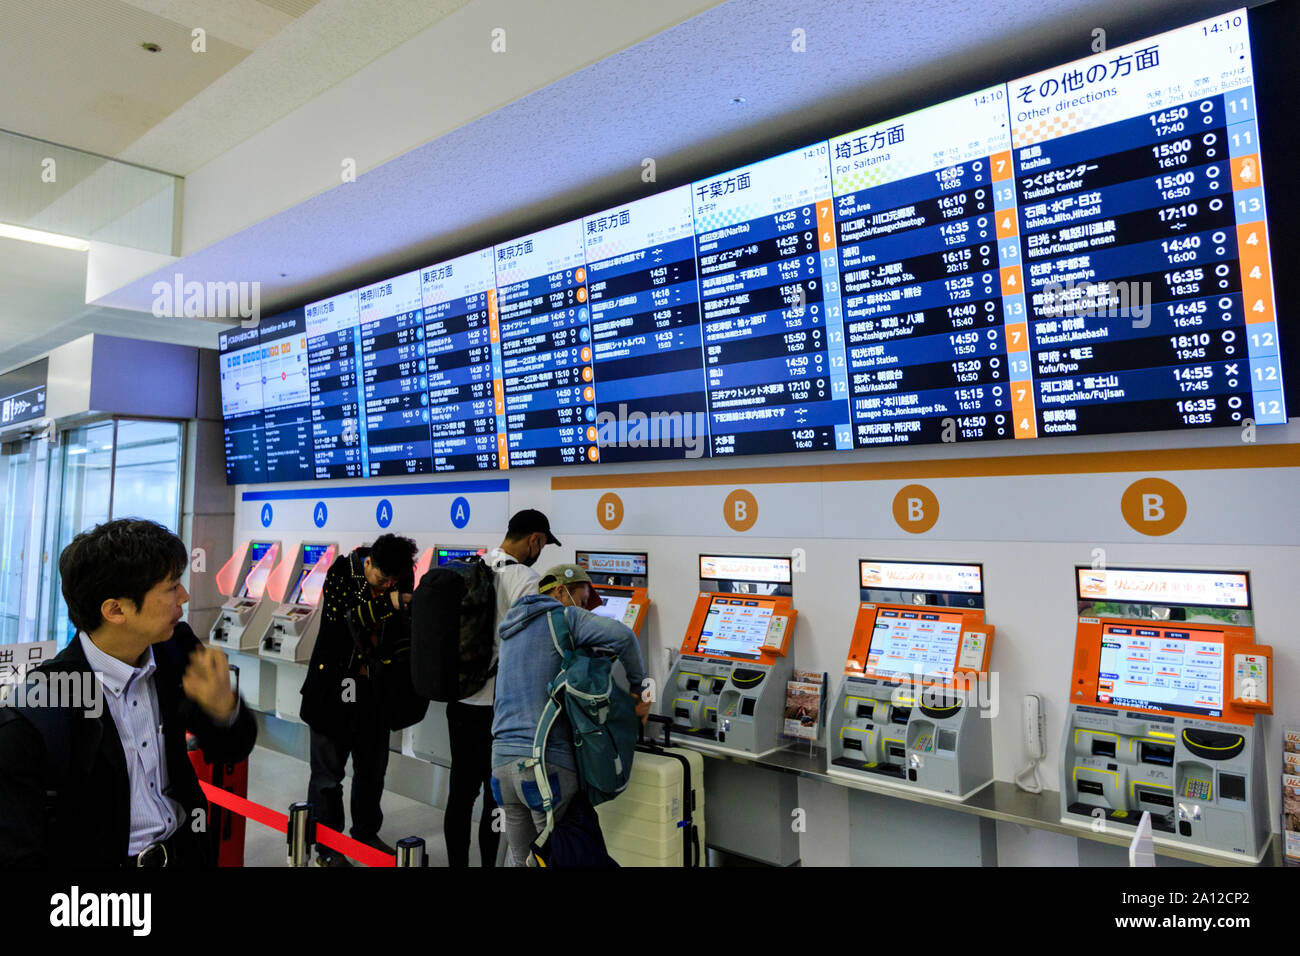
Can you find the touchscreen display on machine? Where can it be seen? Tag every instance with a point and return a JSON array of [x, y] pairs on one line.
[[1160, 668], [915, 643], [255, 583], [615, 605], [735, 627], [311, 553]]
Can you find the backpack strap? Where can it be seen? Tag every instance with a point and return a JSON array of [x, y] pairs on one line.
[[554, 707]]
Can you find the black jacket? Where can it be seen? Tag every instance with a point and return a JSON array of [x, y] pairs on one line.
[[349, 613], [91, 818]]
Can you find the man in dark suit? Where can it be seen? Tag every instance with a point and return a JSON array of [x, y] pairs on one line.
[[93, 762]]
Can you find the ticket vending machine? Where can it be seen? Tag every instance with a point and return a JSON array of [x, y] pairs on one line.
[[291, 634], [446, 555], [248, 607], [620, 580], [908, 711], [1167, 689], [727, 686]]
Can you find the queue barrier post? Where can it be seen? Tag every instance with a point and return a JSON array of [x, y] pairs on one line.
[[410, 852], [300, 835]]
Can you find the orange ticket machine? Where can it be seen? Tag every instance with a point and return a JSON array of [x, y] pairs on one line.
[[909, 709], [729, 681], [620, 580], [248, 605], [1165, 696]]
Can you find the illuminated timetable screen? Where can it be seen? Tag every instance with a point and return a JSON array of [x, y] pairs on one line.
[[1083, 250], [1160, 668], [735, 627]]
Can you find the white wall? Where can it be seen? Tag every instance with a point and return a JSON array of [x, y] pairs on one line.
[[1028, 530]]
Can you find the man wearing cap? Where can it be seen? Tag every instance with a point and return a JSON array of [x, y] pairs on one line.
[[528, 664], [469, 721]]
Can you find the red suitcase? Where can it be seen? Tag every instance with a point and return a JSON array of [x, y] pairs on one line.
[[225, 829]]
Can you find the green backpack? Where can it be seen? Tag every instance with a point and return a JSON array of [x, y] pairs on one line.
[[601, 714]]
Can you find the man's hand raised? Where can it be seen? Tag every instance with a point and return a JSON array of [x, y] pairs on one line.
[[207, 683]]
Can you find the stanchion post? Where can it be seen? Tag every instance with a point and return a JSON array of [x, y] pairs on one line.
[[410, 852], [301, 834]]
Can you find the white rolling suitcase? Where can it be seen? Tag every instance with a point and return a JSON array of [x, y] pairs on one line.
[[659, 819]]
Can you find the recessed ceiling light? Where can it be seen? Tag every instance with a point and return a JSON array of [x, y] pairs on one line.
[[152, 47], [44, 238]]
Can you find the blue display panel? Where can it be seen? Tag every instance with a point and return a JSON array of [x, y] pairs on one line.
[[337, 425], [645, 329], [765, 262], [1084, 250], [393, 388], [459, 302], [286, 397], [241, 406], [1142, 224], [550, 396], [920, 272]]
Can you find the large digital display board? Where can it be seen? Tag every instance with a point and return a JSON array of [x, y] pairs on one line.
[[1084, 250]]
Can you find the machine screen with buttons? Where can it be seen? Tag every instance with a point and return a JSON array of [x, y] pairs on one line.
[[1150, 726], [908, 709], [728, 684]]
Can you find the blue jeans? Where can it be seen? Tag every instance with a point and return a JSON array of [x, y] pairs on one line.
[[520, 801]]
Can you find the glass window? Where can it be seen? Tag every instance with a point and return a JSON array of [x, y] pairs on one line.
[[112, 469], [147, 472], [85, 501]]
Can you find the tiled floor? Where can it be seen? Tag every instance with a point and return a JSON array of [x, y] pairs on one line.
[[276, 781]]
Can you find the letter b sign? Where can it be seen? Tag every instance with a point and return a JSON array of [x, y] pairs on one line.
[[1153, 506], [740, 510], [916, 509]]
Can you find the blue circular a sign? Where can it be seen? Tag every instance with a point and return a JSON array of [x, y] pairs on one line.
[[460, 512], [266, 515], [384, 513], [320, 514]]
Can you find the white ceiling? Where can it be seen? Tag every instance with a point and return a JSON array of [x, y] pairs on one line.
[[578, 144], [42, 306], [567, 149]]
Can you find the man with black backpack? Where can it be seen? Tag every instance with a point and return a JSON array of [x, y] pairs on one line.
[[469, 720], [365, 603]]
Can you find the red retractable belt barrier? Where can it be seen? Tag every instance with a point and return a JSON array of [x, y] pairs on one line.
[[279, 821]]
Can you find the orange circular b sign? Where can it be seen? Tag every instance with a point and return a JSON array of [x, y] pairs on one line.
[[609, 511], [740, 510], [916, 509], [1153, 506]]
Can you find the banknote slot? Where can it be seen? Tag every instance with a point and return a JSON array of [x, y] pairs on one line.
[[1161, 754], [1102, 747], [1092, 787]]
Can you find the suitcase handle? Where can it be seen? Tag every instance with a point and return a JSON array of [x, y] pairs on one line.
[[665, 722]]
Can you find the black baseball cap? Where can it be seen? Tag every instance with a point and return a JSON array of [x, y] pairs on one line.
[[530, 521]]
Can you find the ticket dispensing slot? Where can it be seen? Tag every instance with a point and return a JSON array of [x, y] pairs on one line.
[[908, 710], [291, 634], [620, 580], [1166, 687], [728, 683], [247, 608]]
